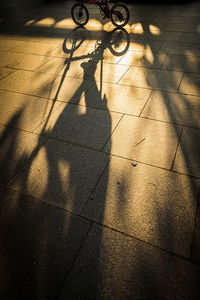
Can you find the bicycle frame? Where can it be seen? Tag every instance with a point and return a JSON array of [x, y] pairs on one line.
[[104, 9]]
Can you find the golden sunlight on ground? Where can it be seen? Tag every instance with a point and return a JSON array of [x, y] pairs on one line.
[[154, 30], [137, 28], [93, 24], [99, 136], [29, 23]]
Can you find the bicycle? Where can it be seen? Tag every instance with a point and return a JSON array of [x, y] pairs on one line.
[[118, 13]]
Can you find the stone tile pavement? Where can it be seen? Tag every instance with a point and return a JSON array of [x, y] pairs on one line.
[[99, 153]]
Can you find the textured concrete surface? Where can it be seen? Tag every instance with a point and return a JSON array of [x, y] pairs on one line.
[[39, 243], [145, 140], [61, 174], [188, 161], [196, 242], [4, 72], [81, 125], [142, 273], [99, 152], [118, 99], [186, 63], [152, 78], [20, 108], [173, 108], [16, 148], [143, 59], [153, 205], [25, 82], [190, 84]]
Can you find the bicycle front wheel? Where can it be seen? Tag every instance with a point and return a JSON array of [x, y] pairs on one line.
[[79, 14], [119, 15]]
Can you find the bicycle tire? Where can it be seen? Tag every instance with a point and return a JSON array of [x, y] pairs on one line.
[[114, 13], [77, 19]]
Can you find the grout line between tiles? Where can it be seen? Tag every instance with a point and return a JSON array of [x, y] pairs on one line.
[[151, 93], [177, 146]]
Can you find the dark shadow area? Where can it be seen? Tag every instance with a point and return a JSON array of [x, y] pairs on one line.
[[47, 245], [41, 241]]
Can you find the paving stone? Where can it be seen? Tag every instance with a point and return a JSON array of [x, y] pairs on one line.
[[26, 82], [81, 125], [80, 47], [94, 23], [196, 242], [101, 52], [13, 35], [190, 37], [59, 52], [63, 31], [46, 22], [98, 32], [23, 111], [113, 266], [51, 39], [188, 20], [64, 88], [182, 48], [123, 99], [2, 92], [5, 72], [61, 175], [157, 35], [173, 108], [6, 44], [65, 23], [180, 27], [186, 63], [35, 48], [29, 37], [187, 159], [145, 45], [9, 58], [145, 140], [191, 10], [169, 11], [29, 62], [146, 26], [90, 41], [143, 59], [88, 53], [152, 78], [190, 84], [59, 66], [108, 72], [16, 149], [146, 17], [39, 243], [143, 201]]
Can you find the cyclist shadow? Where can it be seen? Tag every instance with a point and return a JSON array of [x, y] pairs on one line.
[[62, 170], [78, 122], [81, 124]]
